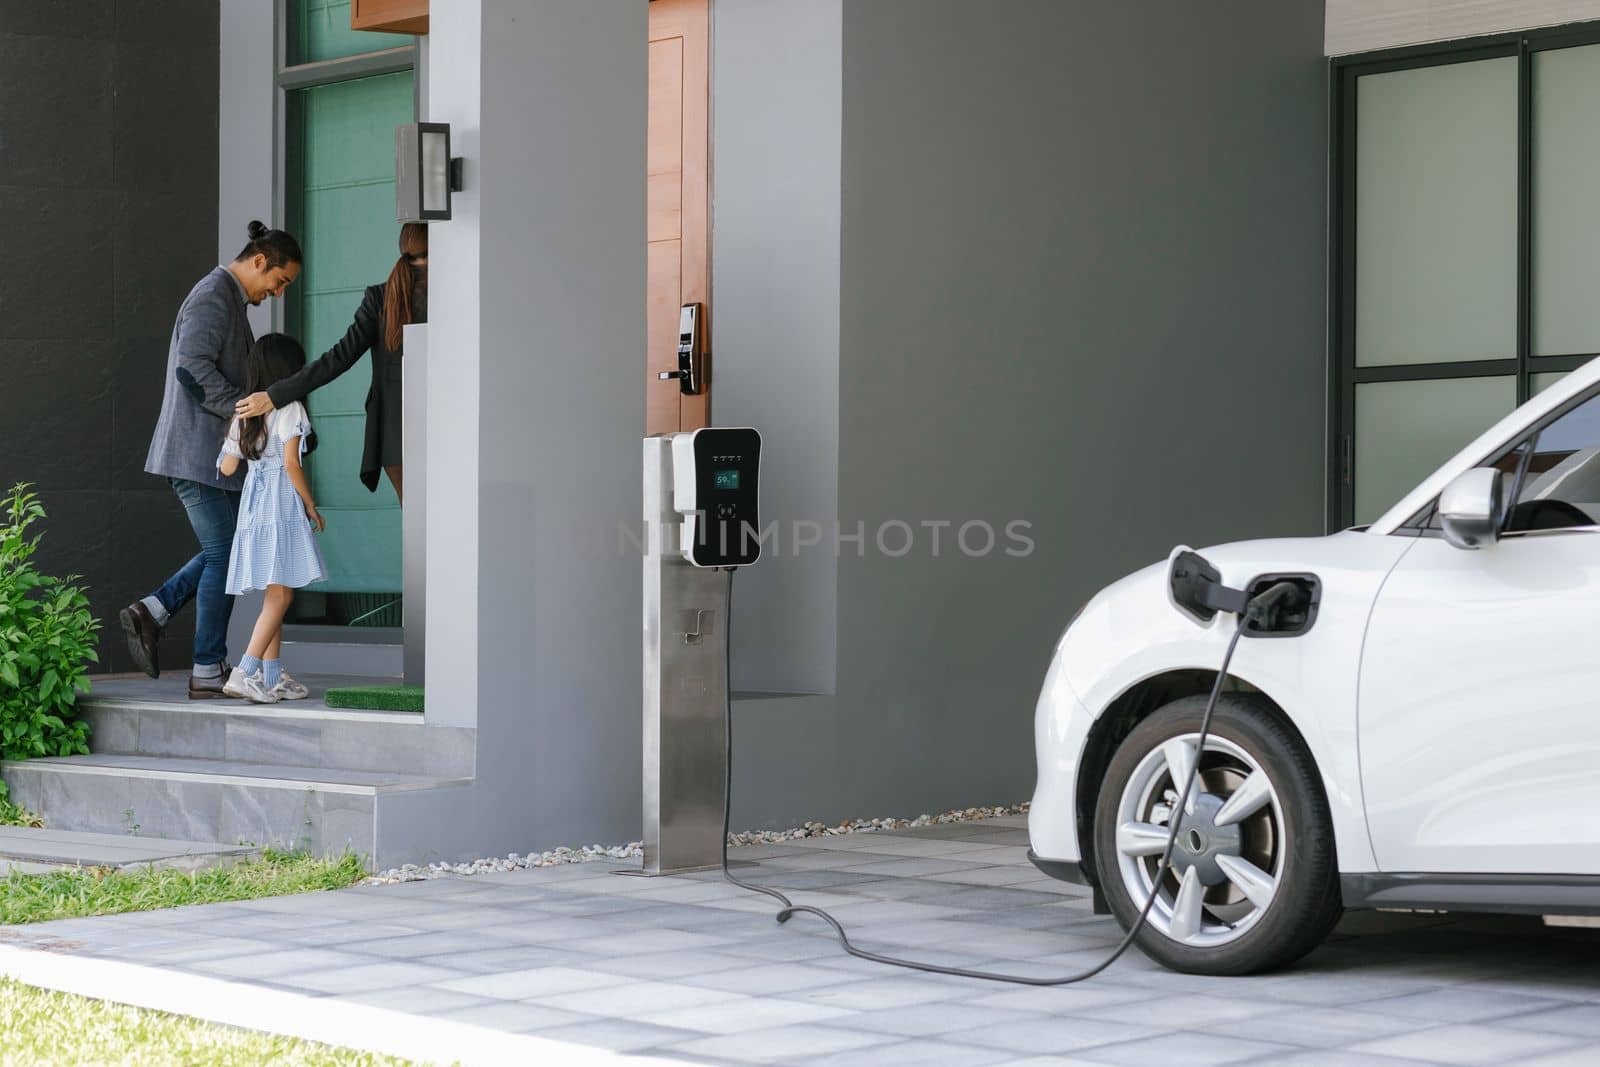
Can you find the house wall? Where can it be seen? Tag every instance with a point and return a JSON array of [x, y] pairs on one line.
[[246, 167], [533, 452], [1082, 285], [776, 113], [246, 134], [455, 92], [108, 143], [1370, 25]]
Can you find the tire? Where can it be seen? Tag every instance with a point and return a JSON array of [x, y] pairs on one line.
[[1262, 887]]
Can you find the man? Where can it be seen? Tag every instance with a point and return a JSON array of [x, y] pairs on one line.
[[205, 378]]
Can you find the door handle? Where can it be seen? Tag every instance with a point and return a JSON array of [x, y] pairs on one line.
[[690, 356]]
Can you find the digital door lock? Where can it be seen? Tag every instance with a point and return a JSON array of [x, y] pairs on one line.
[[689, 372]]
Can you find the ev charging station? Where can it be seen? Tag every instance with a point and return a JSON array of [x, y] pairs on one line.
[[701, 522]]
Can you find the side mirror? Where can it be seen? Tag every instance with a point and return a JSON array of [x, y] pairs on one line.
[[1470, 508]]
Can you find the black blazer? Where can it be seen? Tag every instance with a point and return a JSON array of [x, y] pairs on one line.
[[382, 446]]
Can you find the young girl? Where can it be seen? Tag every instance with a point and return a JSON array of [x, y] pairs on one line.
[[273, 546]]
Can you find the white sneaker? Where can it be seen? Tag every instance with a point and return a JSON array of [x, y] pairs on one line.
[[251, 687], [289, 689]]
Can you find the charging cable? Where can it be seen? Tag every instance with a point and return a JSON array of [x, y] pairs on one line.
[[1258, 610]]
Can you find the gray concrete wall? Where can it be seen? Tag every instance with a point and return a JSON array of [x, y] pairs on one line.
[[1371, 25], [108, 140], [455, 92], [552, 223], [1082, 285], [247, 168], [776, 84], [246, 160], [561, 401]]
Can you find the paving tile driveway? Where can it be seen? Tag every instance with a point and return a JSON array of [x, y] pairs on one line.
[[692, 968]]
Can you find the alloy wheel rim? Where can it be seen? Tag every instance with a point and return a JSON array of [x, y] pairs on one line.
[[1227, 862]]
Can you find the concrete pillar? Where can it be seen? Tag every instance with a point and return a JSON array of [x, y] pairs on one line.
[[536, 409], [451, 529]]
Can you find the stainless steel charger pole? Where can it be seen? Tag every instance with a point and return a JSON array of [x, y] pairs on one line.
[[685, 687]]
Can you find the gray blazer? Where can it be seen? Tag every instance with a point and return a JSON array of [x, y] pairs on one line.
[[205, 376]]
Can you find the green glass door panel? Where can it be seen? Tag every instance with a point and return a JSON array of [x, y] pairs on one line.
[[341, 205], [320, 29], [1435, 146], [1538, 383], [1405, 430]]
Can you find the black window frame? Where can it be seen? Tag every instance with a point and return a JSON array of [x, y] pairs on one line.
[[1343, 374]]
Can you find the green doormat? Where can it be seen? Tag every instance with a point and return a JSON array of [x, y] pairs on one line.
[[376, 697]]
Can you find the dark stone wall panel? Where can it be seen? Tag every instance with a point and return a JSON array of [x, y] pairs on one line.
[[55, 115], [56, 408], [166, 112], [55, 281], [83, 19], [108, 184], [191, 25]]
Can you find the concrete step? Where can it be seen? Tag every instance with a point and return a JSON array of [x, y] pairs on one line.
[[378, 652], [321, 810], [141, 717], [347, 657], [34, 851], [272, 734]]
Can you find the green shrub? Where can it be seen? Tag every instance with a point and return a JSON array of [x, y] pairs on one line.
[[15, 814], [47, 641]]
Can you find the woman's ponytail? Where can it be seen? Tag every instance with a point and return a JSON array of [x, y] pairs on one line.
[[397, 290]]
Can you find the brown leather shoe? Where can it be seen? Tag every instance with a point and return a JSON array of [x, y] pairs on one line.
[[143, 634], [211, 688]]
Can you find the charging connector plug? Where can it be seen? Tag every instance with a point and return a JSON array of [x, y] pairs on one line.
[[1265, 607], [1271, 605], [1197, 588]]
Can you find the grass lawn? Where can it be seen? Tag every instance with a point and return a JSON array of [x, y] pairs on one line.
[[33, 898], [39, 1026]]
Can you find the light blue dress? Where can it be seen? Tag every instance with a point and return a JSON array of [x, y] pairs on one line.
[[274, 543]]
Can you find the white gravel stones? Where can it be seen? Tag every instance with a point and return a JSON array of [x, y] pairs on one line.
[[412, 872]]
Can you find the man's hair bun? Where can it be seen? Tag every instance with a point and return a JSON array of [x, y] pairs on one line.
[[277, 246]]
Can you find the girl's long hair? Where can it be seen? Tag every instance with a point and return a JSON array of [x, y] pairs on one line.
[[397, 291], [272, 358]]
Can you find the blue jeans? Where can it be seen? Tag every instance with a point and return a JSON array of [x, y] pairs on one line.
[[213, 513]]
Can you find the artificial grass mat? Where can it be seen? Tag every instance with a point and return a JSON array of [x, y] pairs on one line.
[[376, 697]]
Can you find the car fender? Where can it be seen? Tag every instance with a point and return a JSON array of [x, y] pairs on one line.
[[1131, 632]]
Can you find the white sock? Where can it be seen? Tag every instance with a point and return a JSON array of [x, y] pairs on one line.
[[158, 611], [208, 670]]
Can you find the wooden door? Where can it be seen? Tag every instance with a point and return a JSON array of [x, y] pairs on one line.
[[679, 214]]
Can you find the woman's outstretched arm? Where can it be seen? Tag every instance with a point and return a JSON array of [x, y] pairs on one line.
[[360, 337]]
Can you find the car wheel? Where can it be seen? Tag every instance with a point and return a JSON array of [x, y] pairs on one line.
[[1253, 883]]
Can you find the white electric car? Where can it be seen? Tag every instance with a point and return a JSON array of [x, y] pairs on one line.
[[1422, 732]]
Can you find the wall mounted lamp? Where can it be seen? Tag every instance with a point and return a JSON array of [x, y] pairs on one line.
[[424, 171]]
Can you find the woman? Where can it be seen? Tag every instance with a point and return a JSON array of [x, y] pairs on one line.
[[384, 311]]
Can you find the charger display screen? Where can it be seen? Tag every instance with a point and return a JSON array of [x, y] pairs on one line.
[[725, 479]]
